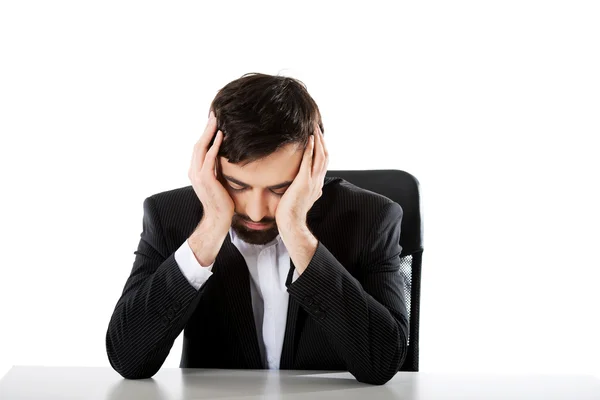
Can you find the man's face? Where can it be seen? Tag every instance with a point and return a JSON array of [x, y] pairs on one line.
[[256, 190]]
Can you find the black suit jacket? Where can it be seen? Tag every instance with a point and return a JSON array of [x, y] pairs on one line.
[[346, 311]]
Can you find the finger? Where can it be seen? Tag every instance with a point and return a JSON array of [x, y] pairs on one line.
[[209, 132], [197, 159], [211, 155], [201, 146], [323, 160], [207, 135], [306, 166], [319, 159], [321, 175], [323, 143]]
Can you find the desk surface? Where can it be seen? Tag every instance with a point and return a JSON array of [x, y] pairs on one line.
[[22, 382]]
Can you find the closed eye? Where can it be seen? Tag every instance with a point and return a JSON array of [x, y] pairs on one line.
[[244, 188]]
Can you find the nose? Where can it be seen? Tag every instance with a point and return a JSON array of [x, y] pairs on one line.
[[257, 207]]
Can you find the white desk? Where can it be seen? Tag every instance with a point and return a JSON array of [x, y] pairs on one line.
[[49, 383]]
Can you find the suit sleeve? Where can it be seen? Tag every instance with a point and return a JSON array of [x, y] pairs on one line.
[[366, 321], [154, 307]]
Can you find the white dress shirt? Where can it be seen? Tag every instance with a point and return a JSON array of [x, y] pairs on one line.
[[269, 265]]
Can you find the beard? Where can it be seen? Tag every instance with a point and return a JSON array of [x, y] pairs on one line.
[[253, 236]]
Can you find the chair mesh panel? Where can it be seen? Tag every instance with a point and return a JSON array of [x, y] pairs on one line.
[[406, 271]]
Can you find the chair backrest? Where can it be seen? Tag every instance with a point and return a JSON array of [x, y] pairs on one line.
[[403, 188]]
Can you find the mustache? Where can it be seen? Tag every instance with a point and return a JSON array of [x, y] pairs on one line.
[[264, 221]]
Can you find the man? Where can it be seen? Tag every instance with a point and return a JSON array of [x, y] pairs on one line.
[[263, 262]]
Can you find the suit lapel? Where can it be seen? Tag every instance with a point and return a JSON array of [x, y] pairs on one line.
[[292, 327], [231, 265]]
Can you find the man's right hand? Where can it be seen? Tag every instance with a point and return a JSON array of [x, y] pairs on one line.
[[218, 205]]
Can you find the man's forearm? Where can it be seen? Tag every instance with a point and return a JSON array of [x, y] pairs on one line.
[[206, 241], [368, 334], [301, 245]]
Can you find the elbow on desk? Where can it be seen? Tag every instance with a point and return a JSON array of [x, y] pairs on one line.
[[136, 375], [132, 374], [133, 371], [379, 373], [129, 369], [376, 377]]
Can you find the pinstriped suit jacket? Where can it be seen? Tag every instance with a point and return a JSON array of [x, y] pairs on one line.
[[346, 311]]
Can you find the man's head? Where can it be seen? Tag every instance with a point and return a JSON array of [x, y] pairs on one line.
[[266, 123]]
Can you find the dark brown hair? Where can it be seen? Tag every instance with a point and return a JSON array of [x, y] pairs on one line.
[[259, 113]]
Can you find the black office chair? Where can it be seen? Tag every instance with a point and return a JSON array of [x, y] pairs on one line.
[[403, 188]]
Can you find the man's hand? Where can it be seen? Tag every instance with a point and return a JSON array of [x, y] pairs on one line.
[[307, 185], [218, 205], [207, 239], [306, 188]]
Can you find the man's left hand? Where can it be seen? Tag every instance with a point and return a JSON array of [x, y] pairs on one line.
[[306, 187]]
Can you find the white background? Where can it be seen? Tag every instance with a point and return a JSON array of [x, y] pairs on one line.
[[493, 105]]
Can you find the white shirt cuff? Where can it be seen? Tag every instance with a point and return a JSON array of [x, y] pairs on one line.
[[190, 267]]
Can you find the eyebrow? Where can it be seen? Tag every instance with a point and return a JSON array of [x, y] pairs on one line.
[[278, 186]]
